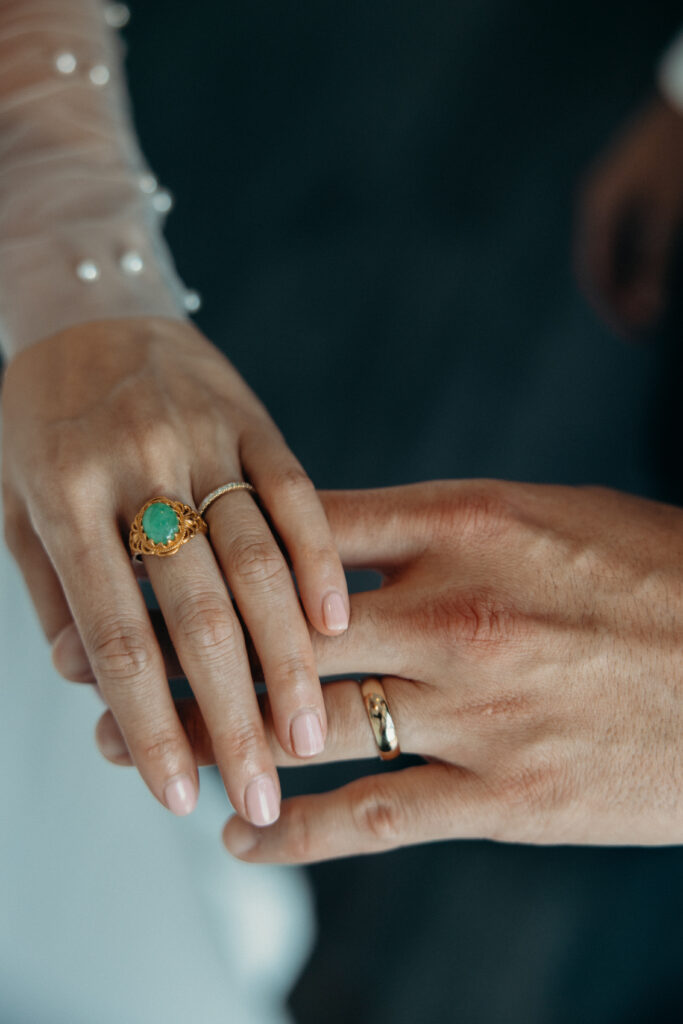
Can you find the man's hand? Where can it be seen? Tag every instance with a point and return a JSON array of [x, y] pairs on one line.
[[529, 640], [630, 213]]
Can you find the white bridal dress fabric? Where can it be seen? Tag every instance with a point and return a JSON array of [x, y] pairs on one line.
[[111, 909]]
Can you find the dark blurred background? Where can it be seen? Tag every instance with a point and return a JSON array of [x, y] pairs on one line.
[[376, 201]]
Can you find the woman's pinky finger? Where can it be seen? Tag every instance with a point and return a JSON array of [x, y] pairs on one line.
[[297, 514], [39, 575], [371, 815]]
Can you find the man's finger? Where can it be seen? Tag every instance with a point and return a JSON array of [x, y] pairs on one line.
[[420, 727], [374, 529], [371, 815], [372, 643], [349, 735], [388, 528]]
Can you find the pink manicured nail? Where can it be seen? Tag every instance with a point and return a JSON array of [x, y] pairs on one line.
[[68, 655], [239, 837], [307, 734], [263, 804], [334, 612], [180, 795]]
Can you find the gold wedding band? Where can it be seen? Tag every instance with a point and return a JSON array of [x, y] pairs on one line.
[[383, 728], [235, 485], [162, 526]]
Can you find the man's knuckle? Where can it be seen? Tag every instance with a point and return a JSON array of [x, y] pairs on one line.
[[500, 712], [378, 816], [484, 512], [522, 787], [299, 834], [480, 618], [535, 793], [478, 621], [478, 513], [256, 560]]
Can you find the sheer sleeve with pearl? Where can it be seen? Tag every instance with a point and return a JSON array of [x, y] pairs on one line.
[[81, 214]]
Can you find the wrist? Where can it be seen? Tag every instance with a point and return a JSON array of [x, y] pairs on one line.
[[94, 270]]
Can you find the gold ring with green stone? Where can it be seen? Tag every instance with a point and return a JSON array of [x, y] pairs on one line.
[[162, 526]]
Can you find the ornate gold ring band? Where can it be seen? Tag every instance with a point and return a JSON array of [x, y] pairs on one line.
[[383, 728], [234, 485], [162, 526]]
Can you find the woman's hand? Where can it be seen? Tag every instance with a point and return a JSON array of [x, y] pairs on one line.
[[629, 219], [101, 417], [530, 642]]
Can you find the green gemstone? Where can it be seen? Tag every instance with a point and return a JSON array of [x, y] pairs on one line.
[[160, 523]]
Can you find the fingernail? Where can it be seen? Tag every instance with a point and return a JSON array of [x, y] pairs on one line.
[[180, 795], [239, 837], [263, 804], [307, 734], [335, 614], [68, 655]]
